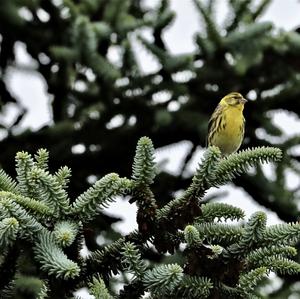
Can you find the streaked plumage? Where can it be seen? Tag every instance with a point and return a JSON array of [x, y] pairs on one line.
[[227, 124]]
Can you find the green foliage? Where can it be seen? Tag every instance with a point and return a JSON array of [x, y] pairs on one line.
[[37, 207], [24, 162], [63, 175], [41, 215], [98, 289], [259, 254], [219, 257], [132, 260], [8, 232], [108, 259], [65, 232], [219, 233], [42, 158], [144, 156], [249, 280], [191, 236], [6, 182], [287, 234], [194, 287], [87, 53], [52, 259], [43, 291], [212, 31], [205, 173], [87, 205], [29, 226], [163, 279], [48, 189], [253, 233], [239, 162], [202, 180], [280, 265], [219, 211], [29, 285]]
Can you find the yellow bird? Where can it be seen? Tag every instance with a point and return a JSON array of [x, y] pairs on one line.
[[226, 126]]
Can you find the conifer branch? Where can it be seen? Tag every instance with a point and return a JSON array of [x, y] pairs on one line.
[[163, 279], [38, 208], [9, 228], [29, 226], [171, 64], [8, 291], [98, 289], [63, 176], [43, 291], [238, 163], [109, 259], [241, 8], [42, 157], [241, 254], [211, 26], [143, 174], [89, 204], [85, 50], [192, 236], [253, 234], [202, 180], [205, 46], [258, 255], [205, 173], [220, 211], [249, 280], [49, 190], [164, 18], [132, 261], [52, 259], [24, 163], [7, 183], [64, 54], [85, 36], [260, 9], [143, 165], [223, 234], [280, 265], [130, 65], [253, 31], [230, 292], [194, 287], [65, 232], [284, 234]]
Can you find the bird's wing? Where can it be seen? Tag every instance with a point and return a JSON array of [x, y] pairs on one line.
[[212, 124], [243, 127]]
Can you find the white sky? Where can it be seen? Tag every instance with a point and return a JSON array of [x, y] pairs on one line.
[[30, 88]]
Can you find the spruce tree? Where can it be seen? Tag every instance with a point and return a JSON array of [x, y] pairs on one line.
[[71, 42], [42, 233]]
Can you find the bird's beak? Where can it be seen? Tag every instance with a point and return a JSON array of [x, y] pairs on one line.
[[243, 101]]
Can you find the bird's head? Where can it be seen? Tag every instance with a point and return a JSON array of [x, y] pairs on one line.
[[233, 99]]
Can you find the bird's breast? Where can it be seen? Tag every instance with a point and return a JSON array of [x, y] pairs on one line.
[[230, 132], [232, 123]]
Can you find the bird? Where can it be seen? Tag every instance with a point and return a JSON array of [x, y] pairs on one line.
[[226, 126]]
